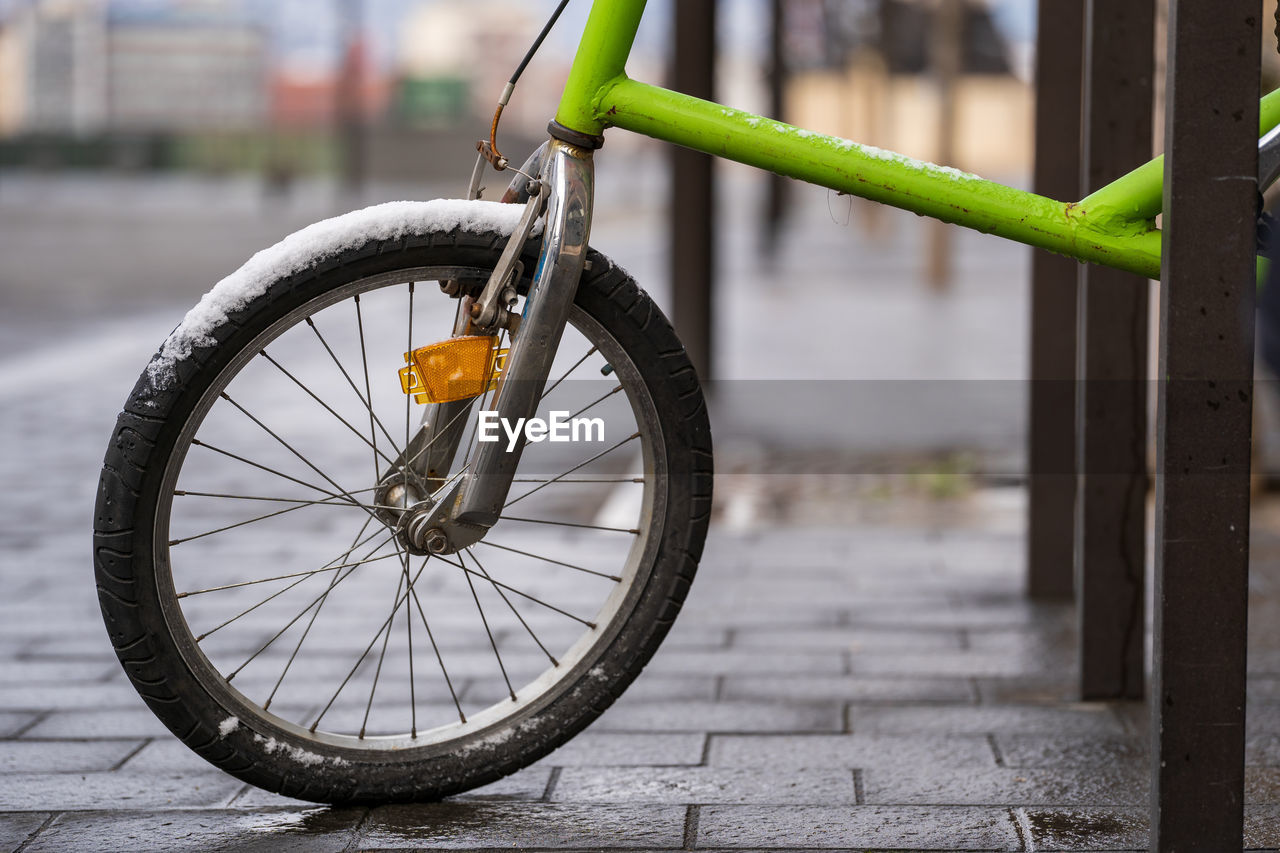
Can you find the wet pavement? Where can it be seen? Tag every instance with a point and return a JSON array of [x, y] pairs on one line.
[[877, 681], [856, 668]]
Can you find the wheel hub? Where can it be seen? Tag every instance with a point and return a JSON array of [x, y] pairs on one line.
[[398, 504]]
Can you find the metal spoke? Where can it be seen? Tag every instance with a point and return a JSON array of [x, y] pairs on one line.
[[198, 443], [282, 591], [382, 655], [516, 612], [439, 433], [327, 502], [368, 391], [578, 480], [534, 599], [368, 404], [179, 493], [632, 531], [314, 615], [595, 402], [330, 410], [385, 626], [286, 577], [408, 400], [408, 623], [435, 648], [492, 642], [549, 560], [631, 437], [290, 448], [312, 603], [576, 365]]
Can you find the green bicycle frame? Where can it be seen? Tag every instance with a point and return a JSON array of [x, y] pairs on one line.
[[1114, 226]]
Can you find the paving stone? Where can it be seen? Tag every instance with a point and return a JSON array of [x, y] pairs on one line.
[[308, 829], [1262, 719], [846, 638], [722, 717], [56, 671], [857, 827], [1070, 752], [592, 749], [167, 755], [527, 784], [140, 723], [1262, 785], [1058, 689], [744, 662], [1001, 786], [12, 722], [1127, 829], [1081, 719], [1264, 689], [704, 785], [851, 751], [646, 688], [849, 688], [759, 614], [23, 756], [466, 826], [948, 663], [949, 614], [1085, 829], [1262, 749], [1261, 827], [88, 791], [17, 828], [1264, 662], [69, 697]]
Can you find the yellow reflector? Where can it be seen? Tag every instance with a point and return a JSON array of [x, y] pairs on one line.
[[454, 369]]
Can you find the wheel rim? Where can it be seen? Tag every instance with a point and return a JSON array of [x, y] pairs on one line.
[[298, 613]]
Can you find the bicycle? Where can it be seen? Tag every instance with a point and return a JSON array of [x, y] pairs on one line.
[[263, 642]]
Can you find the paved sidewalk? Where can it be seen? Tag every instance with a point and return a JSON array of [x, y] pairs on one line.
[[873, 680], [860, 685]]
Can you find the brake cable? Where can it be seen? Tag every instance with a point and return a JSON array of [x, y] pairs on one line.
[[489, 148]]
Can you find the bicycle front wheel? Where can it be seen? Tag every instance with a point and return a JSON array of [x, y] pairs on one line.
[[260, 597]]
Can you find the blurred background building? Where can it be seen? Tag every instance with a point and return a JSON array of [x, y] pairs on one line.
[[262, 84]]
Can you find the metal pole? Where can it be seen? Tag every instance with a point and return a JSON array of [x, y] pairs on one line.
[[1111, 402], [947, 45], [348, 115], [775, 209], [1203, 426], [1051, 422], [693, 189]]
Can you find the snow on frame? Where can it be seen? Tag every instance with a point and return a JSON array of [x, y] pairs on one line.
[[315, 243]]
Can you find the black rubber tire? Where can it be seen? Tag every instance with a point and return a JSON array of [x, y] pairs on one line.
[[126, 569]]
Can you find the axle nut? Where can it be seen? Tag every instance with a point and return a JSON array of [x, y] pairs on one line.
[[436, 541]]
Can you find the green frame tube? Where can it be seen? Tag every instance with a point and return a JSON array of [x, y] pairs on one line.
[[1114, 226]]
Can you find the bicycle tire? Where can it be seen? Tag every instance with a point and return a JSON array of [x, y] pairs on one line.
[[155, 438]]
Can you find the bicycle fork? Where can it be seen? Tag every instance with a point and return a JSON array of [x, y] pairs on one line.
[[468, 504]]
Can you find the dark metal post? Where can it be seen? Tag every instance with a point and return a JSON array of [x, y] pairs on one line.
[[349, 109], [1051, 423], [1204, 422], [693, 189], [1111, 401], [947, 60], [775, 209]]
